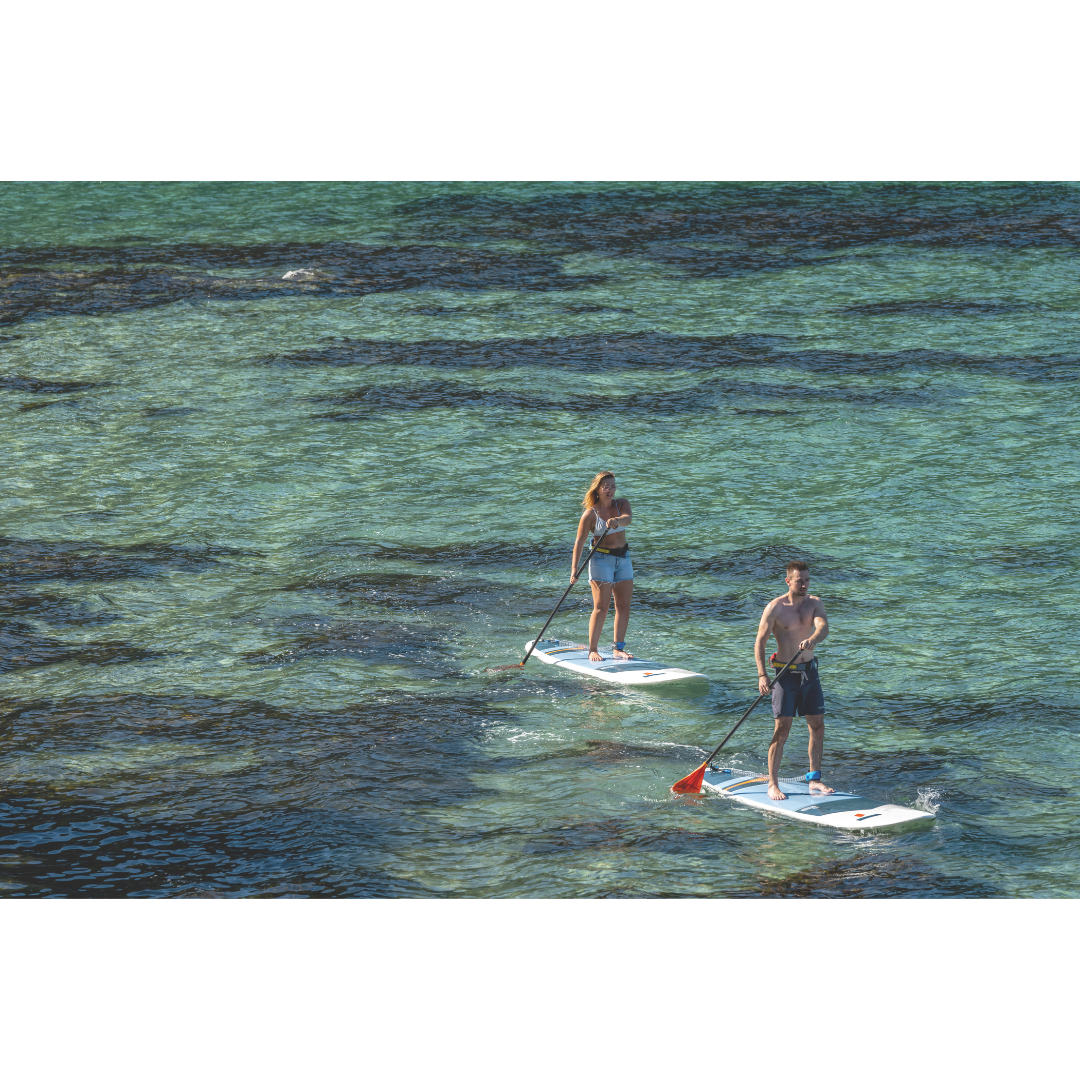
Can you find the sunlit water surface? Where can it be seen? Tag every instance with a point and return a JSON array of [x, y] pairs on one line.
[[263, 537]]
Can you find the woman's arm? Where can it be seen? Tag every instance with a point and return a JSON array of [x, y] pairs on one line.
[[625, 517], [579, 541]]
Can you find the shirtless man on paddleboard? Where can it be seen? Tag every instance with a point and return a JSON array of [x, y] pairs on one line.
[[797, 621]]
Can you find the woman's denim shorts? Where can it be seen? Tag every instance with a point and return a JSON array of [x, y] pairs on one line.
[[611, 568]]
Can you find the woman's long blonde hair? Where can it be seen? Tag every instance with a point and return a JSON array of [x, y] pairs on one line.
[[592, 496]]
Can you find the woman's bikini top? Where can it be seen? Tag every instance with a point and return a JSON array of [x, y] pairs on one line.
[[598, 526]]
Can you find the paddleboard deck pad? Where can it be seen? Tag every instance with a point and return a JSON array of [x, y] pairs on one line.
[[636, 672], [841, 809]]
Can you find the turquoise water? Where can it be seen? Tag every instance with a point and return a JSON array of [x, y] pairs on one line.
[[262, 537]]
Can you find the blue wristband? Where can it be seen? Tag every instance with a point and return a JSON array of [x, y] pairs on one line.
[[813, 775]]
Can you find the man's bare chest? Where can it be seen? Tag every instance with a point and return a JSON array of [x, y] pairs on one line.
[[795, 618]]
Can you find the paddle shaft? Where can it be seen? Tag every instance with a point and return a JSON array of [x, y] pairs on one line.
[[596, 544], [754, 706]]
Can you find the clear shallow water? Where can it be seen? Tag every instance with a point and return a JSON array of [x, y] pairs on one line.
[[263, 537]]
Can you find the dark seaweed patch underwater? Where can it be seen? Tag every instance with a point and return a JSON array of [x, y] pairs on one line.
[[289, 467]]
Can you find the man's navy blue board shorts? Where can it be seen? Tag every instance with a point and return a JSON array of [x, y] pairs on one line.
[[794, 695]]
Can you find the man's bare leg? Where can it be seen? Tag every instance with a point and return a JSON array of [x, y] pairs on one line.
[[624, 590], [816, 725], [776, 752], [601, 598]]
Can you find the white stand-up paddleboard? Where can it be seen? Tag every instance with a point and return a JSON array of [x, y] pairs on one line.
[[566, 654], [841, 809]]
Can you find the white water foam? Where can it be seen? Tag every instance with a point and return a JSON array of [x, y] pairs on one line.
[[929, 800]]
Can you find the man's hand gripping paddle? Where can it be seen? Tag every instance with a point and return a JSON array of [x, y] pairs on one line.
[[585, 562], [691, 785]]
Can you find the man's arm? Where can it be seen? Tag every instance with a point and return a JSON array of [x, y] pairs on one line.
[[761, 644], [821, 628]]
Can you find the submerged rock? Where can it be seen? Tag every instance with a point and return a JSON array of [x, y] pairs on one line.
[[26, 560], [41, 282], [22, 647]]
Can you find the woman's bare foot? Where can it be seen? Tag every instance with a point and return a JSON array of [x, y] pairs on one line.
[[594, 655], [622, 654], [820, 788], [775, 792]]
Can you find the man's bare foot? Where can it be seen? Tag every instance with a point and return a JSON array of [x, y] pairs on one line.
[[775, 792], [820, 788], [594, 655], [622, 654]]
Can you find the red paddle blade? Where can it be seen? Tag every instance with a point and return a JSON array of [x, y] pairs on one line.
[[690, 785], [505, 667]]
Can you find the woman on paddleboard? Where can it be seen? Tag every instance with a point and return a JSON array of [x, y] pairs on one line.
[[610, 569]]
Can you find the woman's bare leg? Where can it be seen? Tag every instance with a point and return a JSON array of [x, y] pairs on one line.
[[601, 599], [624, 590]]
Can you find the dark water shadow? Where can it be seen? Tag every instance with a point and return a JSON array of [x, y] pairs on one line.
[[913, 769], [26, 385], [755, 226], [480, 555], [871, 876], [1004, 710], [169, 410], [576, 352], [763, 412], [320, 636], [435, 594], [52, 609], [366, 402], [62, 403], [699, 607], [1041, 558], [22, 647], [70, 560], [945, 307], [41, 282], [766, 562], [609, 751], [141, 795], [649, 351], [613, 836]]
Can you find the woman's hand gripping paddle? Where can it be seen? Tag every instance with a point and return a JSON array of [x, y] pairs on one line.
[[691, 785], [585, 562]]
